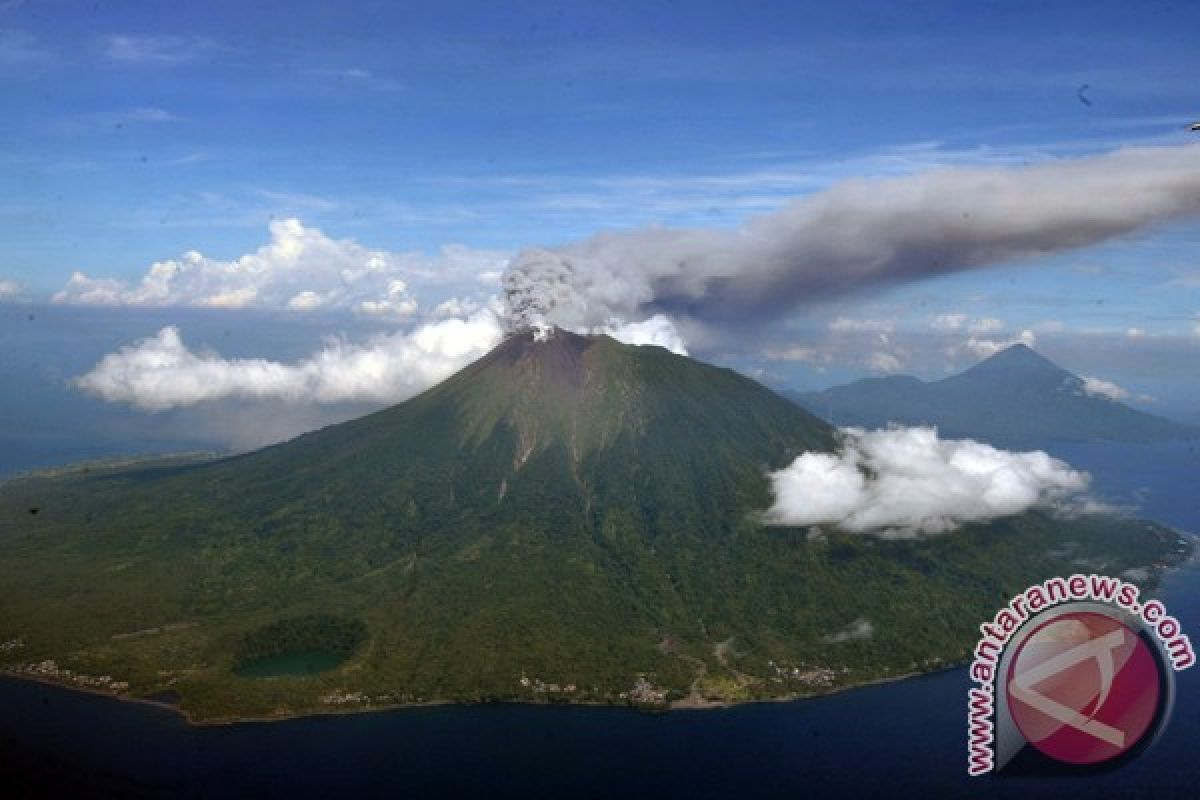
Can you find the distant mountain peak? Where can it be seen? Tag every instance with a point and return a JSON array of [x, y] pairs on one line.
[[1014, 398], [1018, 359], [1017, 350], [1019, 353]]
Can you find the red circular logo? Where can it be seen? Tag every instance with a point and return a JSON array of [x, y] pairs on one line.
[[1084, 688]]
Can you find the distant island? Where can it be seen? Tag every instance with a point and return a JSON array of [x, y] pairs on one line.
[[1014, 399], [567, 520]]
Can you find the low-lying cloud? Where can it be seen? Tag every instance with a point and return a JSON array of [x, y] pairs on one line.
[[161, 372], [908, 481], [984, 347], [854, 235], [1098, 387]]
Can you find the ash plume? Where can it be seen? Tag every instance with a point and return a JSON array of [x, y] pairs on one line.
[[855, 235]]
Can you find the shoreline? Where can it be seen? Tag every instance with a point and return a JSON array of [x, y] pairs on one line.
[[215, 721], [710, 705], [684, 704], [714, 705]]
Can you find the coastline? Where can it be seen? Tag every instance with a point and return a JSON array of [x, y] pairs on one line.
[[684, 704], [676, 706], [215, 721], [710, 705]]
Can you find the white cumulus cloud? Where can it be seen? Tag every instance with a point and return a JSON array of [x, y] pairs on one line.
[[908, 481], [299, 269], [880, 361], [1098, 387], [456, 307], [982, 347], [9, 289], [657, 330], [161, 372]]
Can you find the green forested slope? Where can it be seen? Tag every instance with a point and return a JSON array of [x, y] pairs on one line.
[[570, 519]]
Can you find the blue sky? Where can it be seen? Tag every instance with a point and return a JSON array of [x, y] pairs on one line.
[[136, 132], [139, 130]]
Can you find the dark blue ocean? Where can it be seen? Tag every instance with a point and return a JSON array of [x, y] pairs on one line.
[[900, 739]]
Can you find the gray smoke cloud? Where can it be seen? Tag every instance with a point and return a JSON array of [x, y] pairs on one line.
[[855, 235]]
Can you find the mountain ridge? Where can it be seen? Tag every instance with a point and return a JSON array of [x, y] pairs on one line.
[[1014, 398]]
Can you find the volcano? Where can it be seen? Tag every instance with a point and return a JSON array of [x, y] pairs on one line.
[[567, 519], [1014, 399]]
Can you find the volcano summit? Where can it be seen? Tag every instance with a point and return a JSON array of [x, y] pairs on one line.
[[566, 519]]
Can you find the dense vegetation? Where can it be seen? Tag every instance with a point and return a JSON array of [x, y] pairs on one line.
[[312, 632], [562, 521]]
